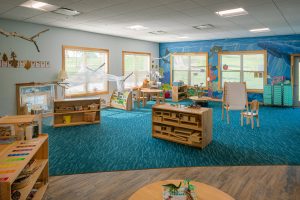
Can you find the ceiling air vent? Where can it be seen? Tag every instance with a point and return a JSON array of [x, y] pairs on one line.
[[66, 11], [204, 26], [158, 32]]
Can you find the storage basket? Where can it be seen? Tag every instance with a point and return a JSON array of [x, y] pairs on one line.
[[90, 116]]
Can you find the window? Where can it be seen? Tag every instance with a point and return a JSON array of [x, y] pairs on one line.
[[82, 67], [139, 64], [249, 67], [191, 68]]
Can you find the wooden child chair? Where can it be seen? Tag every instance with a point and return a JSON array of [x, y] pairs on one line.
[[254, 106]]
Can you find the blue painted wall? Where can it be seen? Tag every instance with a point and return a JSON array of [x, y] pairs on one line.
[[279, 49]]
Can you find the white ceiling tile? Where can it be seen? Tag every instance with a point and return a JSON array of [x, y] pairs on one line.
[[173, 16], [21, 13], [6, 7]]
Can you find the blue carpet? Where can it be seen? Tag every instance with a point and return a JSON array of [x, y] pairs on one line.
[[123, 142]]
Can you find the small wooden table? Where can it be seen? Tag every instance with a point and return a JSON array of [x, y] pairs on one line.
[[156, 92], [154, 191], [203, 99]]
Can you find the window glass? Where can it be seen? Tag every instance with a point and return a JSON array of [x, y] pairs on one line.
[[190, 68], [253, 62], [139, 64], [79, 65], [244, 67]]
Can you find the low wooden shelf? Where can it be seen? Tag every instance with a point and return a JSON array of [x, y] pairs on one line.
[[179, 93], [66, 107], [189, 126], [13, 167]]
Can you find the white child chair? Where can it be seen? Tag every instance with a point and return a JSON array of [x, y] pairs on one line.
[[234, 98], [254, 106]]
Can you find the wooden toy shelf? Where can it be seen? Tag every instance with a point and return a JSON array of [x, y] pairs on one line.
[[187, 126], [12, 166], [179, 93], [77, 110]]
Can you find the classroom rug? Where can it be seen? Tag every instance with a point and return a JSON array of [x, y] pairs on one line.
[[122, 141]]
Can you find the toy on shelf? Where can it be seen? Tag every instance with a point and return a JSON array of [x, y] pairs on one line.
[[121, 100], [72, 112]]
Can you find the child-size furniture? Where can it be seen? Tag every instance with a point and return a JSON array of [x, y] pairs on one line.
[[179, 93], [121, 100], [234, 98], [254, 109], [72, 112], [189, 126], [13, 163], [278, 95]]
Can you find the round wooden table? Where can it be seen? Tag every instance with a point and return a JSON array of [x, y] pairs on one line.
[[150, 91], [154, 191]]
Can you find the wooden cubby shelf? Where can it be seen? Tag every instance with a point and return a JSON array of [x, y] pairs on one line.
[[14, 166], [179, 93], [187, 126], [75, 110]]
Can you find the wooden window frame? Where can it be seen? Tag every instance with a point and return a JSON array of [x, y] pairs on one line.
[[134, 53], [264, 52], [189, 54], [86, 94]]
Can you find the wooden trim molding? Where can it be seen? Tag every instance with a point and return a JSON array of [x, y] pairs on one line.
[[65, 47], [189, 54], [293, 70], [264, 52]]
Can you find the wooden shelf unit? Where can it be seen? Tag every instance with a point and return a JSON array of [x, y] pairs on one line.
[[77, 116], [179, 93], [13, 167], [187, 126]]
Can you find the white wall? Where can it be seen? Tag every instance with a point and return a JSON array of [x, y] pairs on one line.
[[50, 44]]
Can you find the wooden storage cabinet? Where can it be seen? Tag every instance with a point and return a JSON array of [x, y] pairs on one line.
[[77, 111], [182, 125], [13, 166], [179, 93]]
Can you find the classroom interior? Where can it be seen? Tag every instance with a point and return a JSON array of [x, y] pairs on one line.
[[160, 99]]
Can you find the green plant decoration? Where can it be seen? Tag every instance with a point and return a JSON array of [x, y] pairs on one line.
[[166, 87]]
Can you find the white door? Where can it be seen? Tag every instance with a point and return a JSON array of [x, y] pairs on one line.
[[296, 81]]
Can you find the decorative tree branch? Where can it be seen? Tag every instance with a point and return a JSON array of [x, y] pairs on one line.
[[30, 39]]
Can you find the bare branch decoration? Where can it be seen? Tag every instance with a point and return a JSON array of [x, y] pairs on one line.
[[30, 39]]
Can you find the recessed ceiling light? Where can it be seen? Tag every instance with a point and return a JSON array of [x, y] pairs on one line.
[[232, 12], [204, 26], [66, 11], [259, 30], [39, 5], [137, 27], [182, 37]]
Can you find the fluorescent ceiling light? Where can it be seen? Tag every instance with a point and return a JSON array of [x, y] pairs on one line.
[[66, 11], [137, 27], [259, 30], [232, 12], [158, 32], [39, 5], [204, 26], [182, 37]]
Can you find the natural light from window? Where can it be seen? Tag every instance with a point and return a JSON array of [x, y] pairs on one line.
[[79, 65], [243, 67], [190, 68], [139, 64]]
